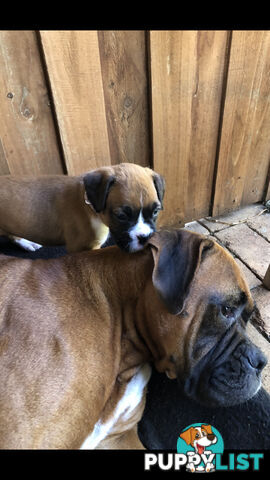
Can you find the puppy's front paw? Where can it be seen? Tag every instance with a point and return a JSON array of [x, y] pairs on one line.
[[26, 244]]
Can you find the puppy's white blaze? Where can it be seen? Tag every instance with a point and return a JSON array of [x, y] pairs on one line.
[[141, 228], [124, 409]]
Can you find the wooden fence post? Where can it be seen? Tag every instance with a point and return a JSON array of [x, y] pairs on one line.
[[266, 280]]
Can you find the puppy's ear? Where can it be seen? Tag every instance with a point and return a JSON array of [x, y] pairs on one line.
[[187, 435], [159, 183], [97, 185], [177, 255]]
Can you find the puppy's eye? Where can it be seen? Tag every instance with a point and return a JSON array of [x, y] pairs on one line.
[[228, 312], [123, 214], [120, 216]]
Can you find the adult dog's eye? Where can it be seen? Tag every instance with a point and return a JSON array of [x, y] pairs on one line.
[[228, 312], [155, 211]]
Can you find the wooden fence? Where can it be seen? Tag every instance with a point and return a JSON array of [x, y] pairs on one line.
[[194, 105]]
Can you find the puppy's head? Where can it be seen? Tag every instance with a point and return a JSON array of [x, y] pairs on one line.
[[128, 198]]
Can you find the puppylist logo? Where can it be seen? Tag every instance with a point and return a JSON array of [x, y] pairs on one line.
[[200, 448], [200, 443]]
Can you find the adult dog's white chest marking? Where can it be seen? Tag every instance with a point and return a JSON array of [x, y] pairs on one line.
[[124, 409]]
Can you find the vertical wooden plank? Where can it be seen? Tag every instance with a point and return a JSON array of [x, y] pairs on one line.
[[4, 168], [124, 73], [28, 142], [245, 142], [74, 70], [268, 193], [187, 77], [266, 280]]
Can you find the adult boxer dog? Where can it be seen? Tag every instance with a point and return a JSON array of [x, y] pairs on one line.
[[79, 211], [78, 334]]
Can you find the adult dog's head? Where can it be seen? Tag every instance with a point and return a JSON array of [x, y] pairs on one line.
[[127, 198], [202, 340]]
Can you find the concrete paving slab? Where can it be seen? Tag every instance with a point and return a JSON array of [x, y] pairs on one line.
[[249, 276], [243, 213], [196, 227], [251, 279], [248, 245], [261, 224]]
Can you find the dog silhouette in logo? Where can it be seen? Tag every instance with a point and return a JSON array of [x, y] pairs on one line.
[[199, 438]]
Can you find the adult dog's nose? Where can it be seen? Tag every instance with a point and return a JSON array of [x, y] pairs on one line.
[[257, 359]]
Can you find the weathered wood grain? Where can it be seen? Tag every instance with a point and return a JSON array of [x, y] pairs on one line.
[[125, 82], [268, 193], [245, 147], [187, 76], [196, 101], [74, 70], [266, 279], [28, 142]]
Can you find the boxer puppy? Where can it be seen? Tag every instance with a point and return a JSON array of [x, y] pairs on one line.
[[79, 211], [78, 334]]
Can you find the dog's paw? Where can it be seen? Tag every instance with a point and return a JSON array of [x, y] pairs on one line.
[[26, 244], [32, 246]]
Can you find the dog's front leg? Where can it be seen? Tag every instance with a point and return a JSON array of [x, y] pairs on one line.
[[126, 441]]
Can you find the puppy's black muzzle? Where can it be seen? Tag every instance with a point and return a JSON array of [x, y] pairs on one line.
[[229, 374], [123, 240]]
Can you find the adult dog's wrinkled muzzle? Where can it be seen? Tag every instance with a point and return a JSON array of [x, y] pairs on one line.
[[201, 285], [229, 374]]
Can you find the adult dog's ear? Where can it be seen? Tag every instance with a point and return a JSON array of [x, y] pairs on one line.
[[159, 183], [97, 185], [177, 255]]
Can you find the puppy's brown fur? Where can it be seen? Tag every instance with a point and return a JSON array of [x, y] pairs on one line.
[[51, 209]]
